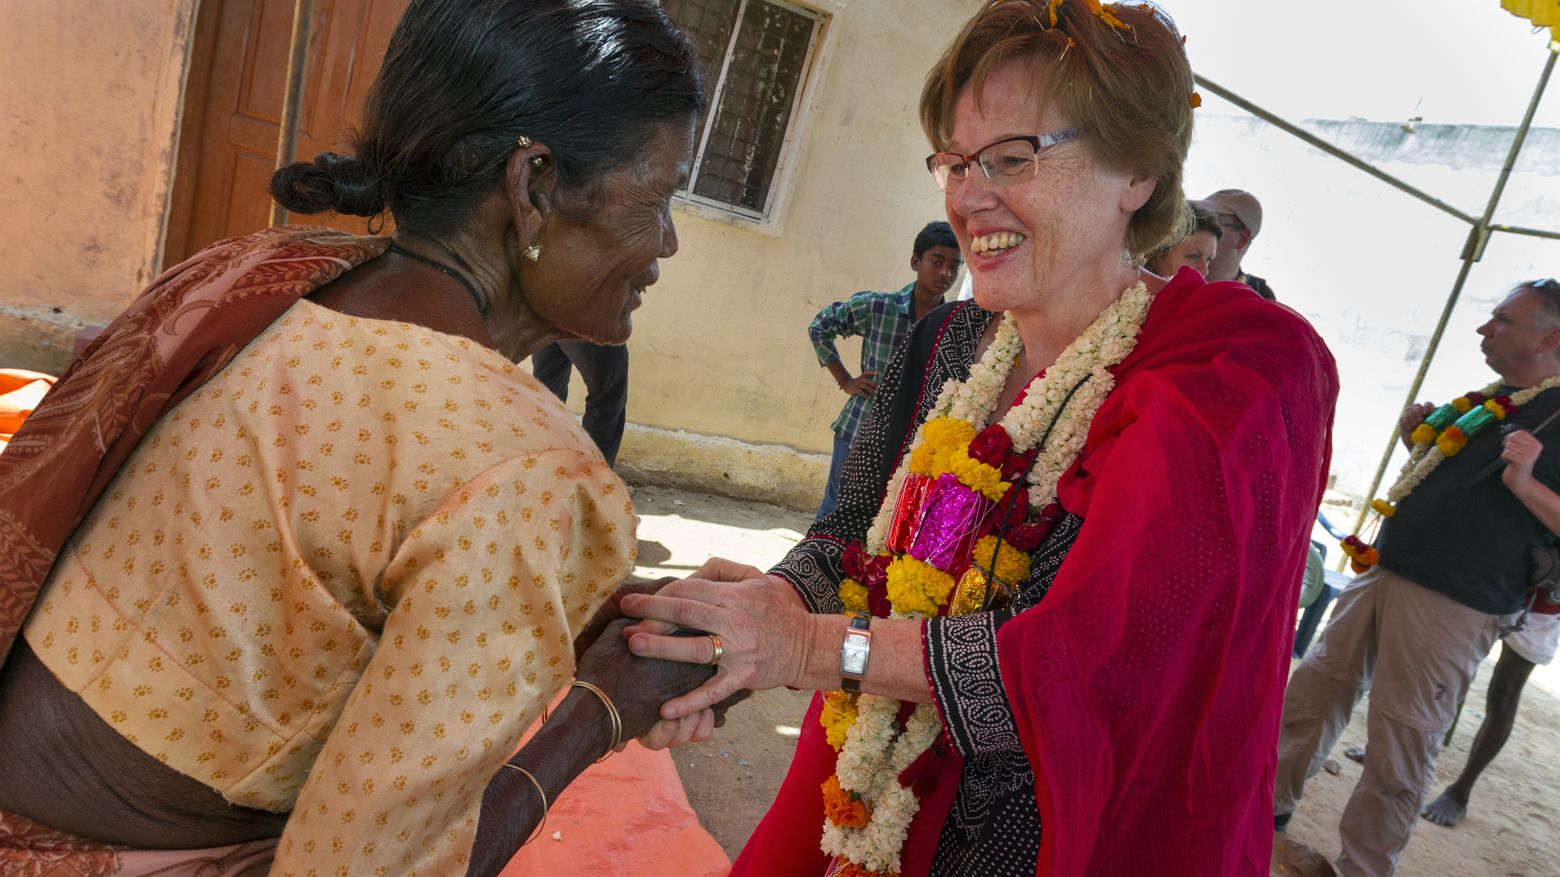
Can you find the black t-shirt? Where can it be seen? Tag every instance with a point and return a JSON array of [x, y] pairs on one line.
[[1471, 542], [1258, 285]]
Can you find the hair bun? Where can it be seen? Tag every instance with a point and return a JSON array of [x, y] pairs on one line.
[[342, 183]]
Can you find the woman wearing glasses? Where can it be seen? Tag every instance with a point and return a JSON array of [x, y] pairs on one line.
[[1050, 616]]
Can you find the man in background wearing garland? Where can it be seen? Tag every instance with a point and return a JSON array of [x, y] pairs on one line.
[[1453, 567]]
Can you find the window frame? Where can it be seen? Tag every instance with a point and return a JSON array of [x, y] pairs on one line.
[[767, 219]]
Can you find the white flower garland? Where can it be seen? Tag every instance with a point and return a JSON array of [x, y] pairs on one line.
[[872, 758], [1426, 456], [869, 765], [1102, 346]]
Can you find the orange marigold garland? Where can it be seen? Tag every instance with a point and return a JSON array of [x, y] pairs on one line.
[[845, 809], [1442, 434], [853, 870]]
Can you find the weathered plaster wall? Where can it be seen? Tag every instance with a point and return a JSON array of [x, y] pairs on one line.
[[90, 94], [720, 346]]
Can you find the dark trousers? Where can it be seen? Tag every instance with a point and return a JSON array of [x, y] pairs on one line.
[[604, 369], [831, 490]]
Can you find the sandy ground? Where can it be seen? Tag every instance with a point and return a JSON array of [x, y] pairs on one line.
[[1510, 830]]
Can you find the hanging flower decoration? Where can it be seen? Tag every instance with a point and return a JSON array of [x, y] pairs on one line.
[[961, 515], [1442, 434], [1542, 13]]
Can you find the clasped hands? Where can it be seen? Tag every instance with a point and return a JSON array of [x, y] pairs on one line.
[[761, 623]]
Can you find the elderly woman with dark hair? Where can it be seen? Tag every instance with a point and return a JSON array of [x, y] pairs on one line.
[[296, 551], [1052, 610]]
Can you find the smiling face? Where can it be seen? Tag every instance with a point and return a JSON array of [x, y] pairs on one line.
[[594, 268], [1063, 226]]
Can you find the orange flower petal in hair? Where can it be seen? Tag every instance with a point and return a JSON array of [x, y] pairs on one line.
[[1105, 15]]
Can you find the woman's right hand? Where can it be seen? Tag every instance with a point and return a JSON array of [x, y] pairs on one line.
[[765, 629]]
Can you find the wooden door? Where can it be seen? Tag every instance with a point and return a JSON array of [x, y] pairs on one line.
[[233, 106]]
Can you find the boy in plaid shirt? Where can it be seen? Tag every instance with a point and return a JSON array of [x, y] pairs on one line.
[[882, 319]]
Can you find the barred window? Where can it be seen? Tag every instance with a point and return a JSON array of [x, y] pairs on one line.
[[754, 55]]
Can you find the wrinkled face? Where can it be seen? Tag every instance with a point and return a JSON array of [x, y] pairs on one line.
[[1024, 239], [936, 268], [594, 269], [1521, 329], [1196, 251]]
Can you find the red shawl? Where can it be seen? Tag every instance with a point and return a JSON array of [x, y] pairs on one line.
[[179, 332], [1148, 684]]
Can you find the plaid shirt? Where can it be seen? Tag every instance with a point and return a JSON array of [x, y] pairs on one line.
[[882, 319]]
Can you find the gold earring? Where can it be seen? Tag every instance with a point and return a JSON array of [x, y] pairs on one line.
[[537, 162], [533, 252], [523, 141]]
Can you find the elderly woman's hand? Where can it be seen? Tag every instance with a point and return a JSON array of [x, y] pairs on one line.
[[612, 610], [638, 686], [763, 625]]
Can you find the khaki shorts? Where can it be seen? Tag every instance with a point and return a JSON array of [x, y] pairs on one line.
[[1537, 641]]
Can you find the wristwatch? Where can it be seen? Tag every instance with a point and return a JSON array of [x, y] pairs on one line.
[[855, 651]]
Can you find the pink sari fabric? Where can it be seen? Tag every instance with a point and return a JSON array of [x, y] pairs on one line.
[[179, 331], [1147, 686]]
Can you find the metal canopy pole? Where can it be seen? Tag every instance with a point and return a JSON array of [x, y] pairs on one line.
[[1473, 251], [1535, 232], [292, 98]]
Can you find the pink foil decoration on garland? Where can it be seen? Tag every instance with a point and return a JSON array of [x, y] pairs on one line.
[[951, 516]]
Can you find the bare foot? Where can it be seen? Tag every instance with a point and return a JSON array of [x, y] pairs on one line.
[[1445, 810]]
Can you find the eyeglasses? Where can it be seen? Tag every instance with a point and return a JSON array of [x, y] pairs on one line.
[[1548, 286], [1004, 162]]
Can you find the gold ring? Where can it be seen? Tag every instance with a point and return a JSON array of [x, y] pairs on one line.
[[720, 649]]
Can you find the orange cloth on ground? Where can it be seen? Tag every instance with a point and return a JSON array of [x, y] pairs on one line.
[[20, 393], [625, 817]]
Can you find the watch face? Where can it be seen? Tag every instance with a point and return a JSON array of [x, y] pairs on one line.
[[853, 655]]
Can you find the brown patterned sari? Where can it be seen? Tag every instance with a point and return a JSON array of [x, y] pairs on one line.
[[178, 333]]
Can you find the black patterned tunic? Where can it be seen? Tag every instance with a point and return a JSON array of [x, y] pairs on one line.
[[993, 827]]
